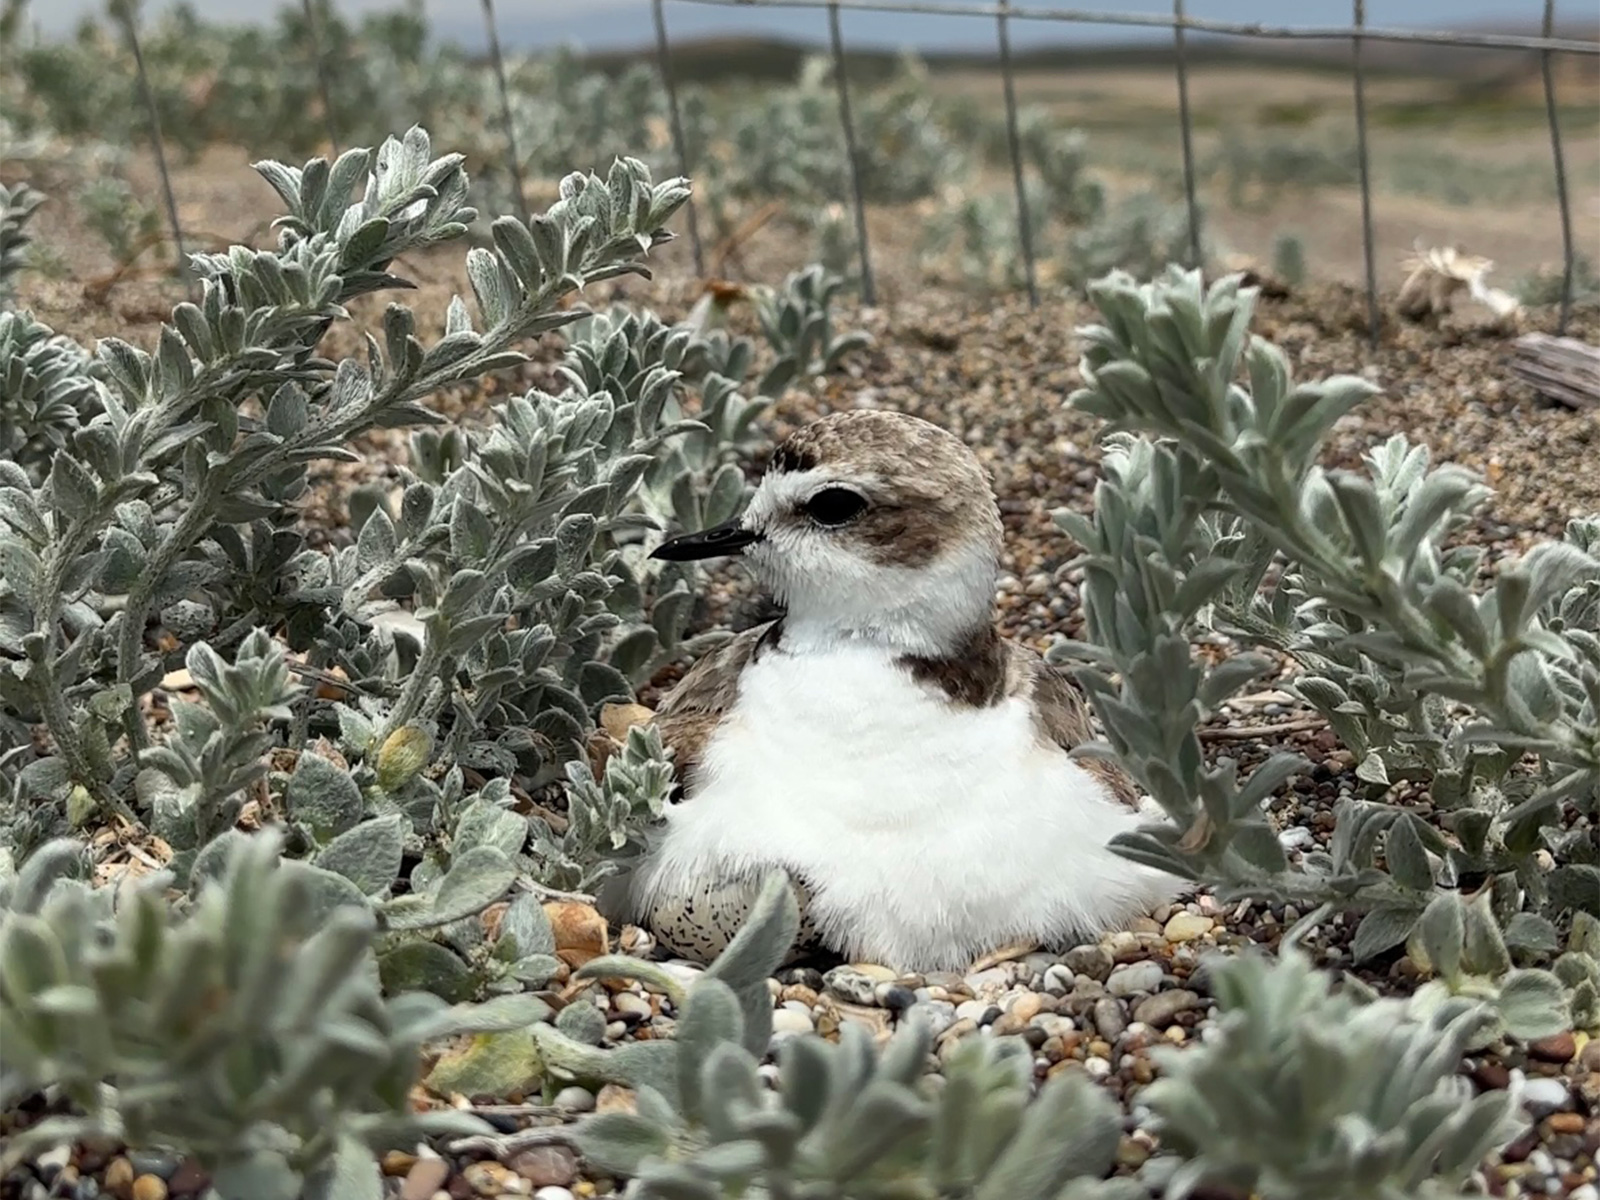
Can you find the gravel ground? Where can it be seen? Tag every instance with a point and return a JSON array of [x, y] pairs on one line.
[[998, 374]]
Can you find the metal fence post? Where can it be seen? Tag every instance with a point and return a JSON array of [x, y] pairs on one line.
[[1014, 144], [1567, 254], [320, 63], [1186, 130], [130, 23], [513, 159], [1366, 172], [675, 120], [868, 292]]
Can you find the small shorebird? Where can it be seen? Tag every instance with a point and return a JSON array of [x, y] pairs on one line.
[[881, 742]]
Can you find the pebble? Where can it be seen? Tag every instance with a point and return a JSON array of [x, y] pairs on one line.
[[1131, 978], [1058, 979], [1160, 1009], [1186, 926], [119, 1175], [546, 1165], [980, 1012], [427, 1176], [850, 983], [1297, 837], [894, 996], [1110, 1018], [1546, 1094], [791, 1021], [630, 1004], [1097, 1067], [1558, 1048], [992, 980], [1093, 961], [553, 1193], [492, 1179], [574, 1099], [937, 1015]]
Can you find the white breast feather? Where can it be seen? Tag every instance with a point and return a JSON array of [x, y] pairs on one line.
[[930, 833]]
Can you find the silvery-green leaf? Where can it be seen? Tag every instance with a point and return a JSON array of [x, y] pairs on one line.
[[1385, 927], [1408, 861], [323, 796], [420, 965], [368, 854], [476, 879], [264, 1175], [352, 1174], [582, 1022], [1437, 941], [486, 824], [1533, 1004], [527, 926], [620, 1142]]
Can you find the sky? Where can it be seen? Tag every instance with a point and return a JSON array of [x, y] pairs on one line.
[[623, 24]]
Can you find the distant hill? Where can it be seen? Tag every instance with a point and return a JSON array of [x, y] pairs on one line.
[[724, 59]]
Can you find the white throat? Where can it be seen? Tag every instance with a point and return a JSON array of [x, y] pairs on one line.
[[930, 610]]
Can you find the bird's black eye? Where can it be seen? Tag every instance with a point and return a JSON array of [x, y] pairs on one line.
[[835, 506]]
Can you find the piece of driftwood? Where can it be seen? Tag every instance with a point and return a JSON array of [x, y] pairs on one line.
[[1562, 369]]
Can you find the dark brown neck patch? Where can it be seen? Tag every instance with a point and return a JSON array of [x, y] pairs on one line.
[[974, 676]]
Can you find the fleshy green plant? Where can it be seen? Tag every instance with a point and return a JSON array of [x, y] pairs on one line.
[[246, 1026], [1309, 1089], [17, 206], [798, 322], [1213, 486]]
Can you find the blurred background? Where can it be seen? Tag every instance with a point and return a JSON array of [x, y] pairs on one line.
[[1459, 138]]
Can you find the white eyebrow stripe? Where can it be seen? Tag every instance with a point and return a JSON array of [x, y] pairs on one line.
[[779, 490]]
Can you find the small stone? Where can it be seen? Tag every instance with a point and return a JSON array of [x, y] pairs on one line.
[[1547, 1095], [791, 1021], [937, 1015], [546, 1166], [1158, 1010], [895, 996], [190, 1179], [990, 980], [1565, 1123], [48, 1165], [153, 1164], [1491, 1076], [574, 1099], [1124, 946], [1023, 1007], [1109, 1018], [849, 983], [1093, 961], [149, 1187], [553, 1193], [580, 931], [875, 972], [119, 1176], [397, 1163], [799, 993], [1058, 979], [1186, 926], [632, 1005], [492, 1179], [1132, 978], [975, 1010], [427, 1176], [1097, 1067], [1054, 1025], [1557, 1048], [875, 1020]]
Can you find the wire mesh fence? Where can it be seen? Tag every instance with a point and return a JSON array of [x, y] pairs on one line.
[[1003, 14]]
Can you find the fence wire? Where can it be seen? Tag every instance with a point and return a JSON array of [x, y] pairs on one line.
[[1003, 13]]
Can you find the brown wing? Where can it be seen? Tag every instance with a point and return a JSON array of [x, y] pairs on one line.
[[688, 713], [1062, 716]]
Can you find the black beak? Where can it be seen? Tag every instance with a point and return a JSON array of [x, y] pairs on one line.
[[708, 543]]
